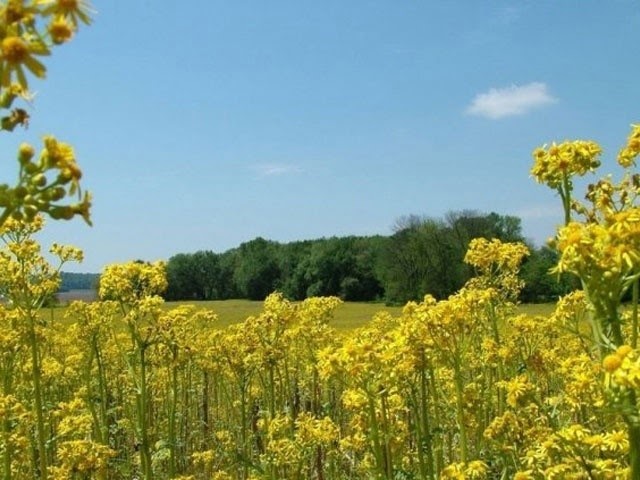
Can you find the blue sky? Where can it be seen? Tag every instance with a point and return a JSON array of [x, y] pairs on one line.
[[204, 124]]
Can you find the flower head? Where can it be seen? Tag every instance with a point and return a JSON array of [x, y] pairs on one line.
[[562, 161], [17, 53], [74, 10], [60, 30]]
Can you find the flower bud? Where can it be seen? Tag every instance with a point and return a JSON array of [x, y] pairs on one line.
[[25, 153], [624, 350], [65, 176], [56, 194], [31, 168], [30, 211], [611, 362], [20, 192], [61, 213], [39, 180]]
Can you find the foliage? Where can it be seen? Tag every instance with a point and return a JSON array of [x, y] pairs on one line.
[[456, 386], [600, 245], [78, 281], [28, 30], [463, 387], [423, 256], [540, 284], [426, 255], [256, 271]]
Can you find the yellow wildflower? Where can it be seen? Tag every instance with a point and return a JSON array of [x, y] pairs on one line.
[[628, 154], [611, 362], [554, 165], [60, 30], [75, 10], [15, 54]]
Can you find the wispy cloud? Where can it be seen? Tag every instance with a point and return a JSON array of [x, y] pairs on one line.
[[508, 15], [537, 212], [510, 101], [276, 169]]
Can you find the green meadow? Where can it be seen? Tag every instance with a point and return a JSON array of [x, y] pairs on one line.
[[349, 316]]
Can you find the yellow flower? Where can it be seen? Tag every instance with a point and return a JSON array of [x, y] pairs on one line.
[[517, 389], [60, 30], [526, 475], [15, 54], [15, 11], [554, 165], [132, 282], [75, 10], [624, 350], [453, 471], [611, 362], [616, 441], [476, 470], [628, 154]]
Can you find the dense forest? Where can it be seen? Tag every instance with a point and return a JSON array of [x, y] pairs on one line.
[[78, 281], [423, 255]]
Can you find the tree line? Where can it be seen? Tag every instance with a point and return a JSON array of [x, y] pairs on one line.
[[78, 281], [423, 255]]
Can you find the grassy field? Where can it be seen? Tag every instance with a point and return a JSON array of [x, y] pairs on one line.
[[348, 316]]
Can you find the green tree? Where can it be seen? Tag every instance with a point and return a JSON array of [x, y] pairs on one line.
[[256, 272], [425, 255], [292, 267], [203, 275], [340, 266], [181, 277], [540, 285]]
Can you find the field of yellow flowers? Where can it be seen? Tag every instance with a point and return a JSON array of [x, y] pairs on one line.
[[462, 388]]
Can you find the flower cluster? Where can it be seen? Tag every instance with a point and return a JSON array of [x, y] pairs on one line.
[[603, 251], [133, 281], [628, 153], [557, 163], [463, 387], [29, 29]]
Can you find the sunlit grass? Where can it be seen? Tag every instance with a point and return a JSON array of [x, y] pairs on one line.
[[349, 316], [535, 309]]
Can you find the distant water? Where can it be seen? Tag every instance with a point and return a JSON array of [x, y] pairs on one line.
[[71, 295]]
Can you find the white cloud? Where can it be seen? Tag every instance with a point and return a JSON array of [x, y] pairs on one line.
[[509, 15], [537, 212], [509, 101], [274, 169]]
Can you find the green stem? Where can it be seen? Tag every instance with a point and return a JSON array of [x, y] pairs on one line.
[[37, 394], [375, 436], [565, 194], [205, 407], [243, 429], [634, 313], [145, 454], [388, 454], [5, 215], [634, 450], [424, 443], [500, 367], [272, 393], [613, 319], [464, 448], [172, 413], [437, 441], [103, 393], [7, 389]]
